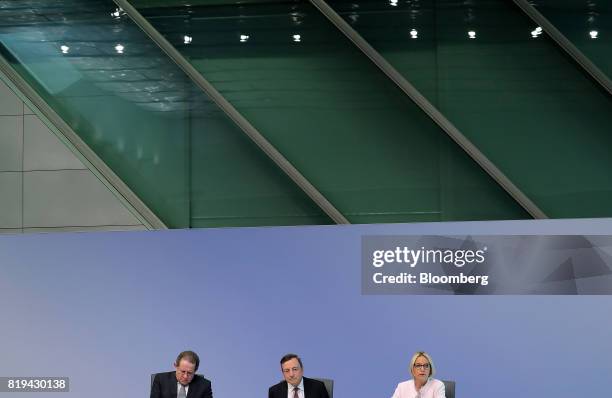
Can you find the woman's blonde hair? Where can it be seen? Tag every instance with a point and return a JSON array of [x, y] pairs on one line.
[[432, 368]]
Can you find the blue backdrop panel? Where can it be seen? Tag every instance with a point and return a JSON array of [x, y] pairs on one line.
[[109, 309]]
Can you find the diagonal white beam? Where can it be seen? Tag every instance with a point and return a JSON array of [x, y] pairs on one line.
[[430, 110], [233, 114], [589, 67]]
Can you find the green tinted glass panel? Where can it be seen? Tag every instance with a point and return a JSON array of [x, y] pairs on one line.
[[369, 149], [587, 24], [137, 111], [512, 92]]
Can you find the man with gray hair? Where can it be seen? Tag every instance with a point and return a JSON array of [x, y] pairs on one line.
[[295, 384]]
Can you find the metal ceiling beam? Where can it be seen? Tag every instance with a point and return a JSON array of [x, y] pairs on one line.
[[585, 63], [452, 131], [233, 114], [67, 135]]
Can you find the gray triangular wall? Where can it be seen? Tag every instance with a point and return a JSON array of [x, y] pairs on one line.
[[43, 185]]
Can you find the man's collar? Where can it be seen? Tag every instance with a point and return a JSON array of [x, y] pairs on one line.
[[300, 386]]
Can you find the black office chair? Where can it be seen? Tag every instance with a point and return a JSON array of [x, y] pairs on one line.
[[449, 388], [329, 385]]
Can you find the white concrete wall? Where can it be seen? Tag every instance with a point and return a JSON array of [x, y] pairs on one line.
[[43, 185]]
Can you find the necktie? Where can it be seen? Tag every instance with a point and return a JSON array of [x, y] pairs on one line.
[[295, 392], [182, 393]]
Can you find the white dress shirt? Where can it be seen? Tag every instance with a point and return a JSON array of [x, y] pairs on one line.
[[432, 389], [290, 388], [178, 388]]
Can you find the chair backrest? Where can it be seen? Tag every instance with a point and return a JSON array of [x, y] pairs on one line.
[[449, 388], [329, 385]]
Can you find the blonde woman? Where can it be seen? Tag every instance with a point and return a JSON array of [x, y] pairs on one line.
[[422, 385]]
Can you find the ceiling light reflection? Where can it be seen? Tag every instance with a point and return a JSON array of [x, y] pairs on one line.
[[119, 48], [414, 34], [64, 49], [472, 34], [297, 38], [244, 38], [187, 39], [117, 13], [593, 34], [536, 32]]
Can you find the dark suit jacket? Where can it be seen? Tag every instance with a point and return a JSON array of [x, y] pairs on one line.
[[164, 386], [312, 389]]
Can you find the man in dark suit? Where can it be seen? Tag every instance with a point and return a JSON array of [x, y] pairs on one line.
[[295, 384], [183, 382]]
